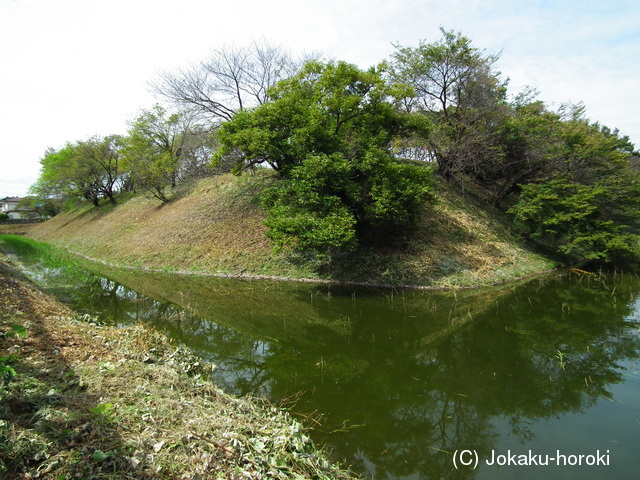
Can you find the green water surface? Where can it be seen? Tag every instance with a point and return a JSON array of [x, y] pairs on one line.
[[403, 382]]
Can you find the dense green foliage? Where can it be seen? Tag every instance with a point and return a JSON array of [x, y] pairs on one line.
[[86, 169], [326, 108], [328, 131], [160, 149], [594, 222], [330, 203], [573, 182], [586, 199]]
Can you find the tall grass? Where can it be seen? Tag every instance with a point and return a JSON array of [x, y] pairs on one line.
[[30, 250], [46, 256]]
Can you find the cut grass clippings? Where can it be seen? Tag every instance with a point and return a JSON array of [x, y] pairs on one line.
[[90, 401]]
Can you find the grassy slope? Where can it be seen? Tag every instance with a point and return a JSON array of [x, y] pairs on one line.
[[216, 227]]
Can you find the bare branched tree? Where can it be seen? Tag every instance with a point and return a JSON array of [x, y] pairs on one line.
[[231, 79]]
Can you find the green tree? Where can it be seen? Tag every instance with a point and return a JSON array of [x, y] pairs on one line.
[[331, 204], [588, 152], [328, 132], [99, 158], [592, 222], [456, 87], [528, 139], [163, 147], [581, 194], [326, 108], [88, 169], [308, 211], [55, 180]]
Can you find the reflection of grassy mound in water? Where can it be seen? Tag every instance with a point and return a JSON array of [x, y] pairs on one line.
[[217, 226], [309, 316]]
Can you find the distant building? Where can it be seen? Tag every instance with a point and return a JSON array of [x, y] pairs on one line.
[[9, 205]]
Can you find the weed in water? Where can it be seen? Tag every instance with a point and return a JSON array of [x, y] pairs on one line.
[[560, 356]]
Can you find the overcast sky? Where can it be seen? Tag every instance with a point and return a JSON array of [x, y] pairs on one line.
[[70, 69]]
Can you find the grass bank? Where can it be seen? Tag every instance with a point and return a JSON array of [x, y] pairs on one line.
[[216, 226], [16, 228], [89, 401]]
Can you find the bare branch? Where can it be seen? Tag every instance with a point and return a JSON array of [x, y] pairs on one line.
[[231, 79]]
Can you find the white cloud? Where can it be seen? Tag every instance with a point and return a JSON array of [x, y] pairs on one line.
[[75, 68]]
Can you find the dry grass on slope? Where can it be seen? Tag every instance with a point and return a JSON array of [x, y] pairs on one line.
[[217, 227], [209, 228]]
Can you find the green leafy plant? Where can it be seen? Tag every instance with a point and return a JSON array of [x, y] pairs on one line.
[[103, 414], [561, 358], [102, 409], [7, 373], [18, 331], [100, 456]]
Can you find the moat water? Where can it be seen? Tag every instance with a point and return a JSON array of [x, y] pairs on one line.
[[538, 379]]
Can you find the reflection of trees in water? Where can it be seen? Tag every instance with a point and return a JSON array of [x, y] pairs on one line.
[[415, 404], [418, 386], [240, 361]]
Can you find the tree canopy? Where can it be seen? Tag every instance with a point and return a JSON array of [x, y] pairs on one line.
[[586, 201], [88, 169], [328, 132], [163, 147], [455, 86]]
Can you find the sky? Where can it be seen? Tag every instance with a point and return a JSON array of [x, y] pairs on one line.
[[72, 69]]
